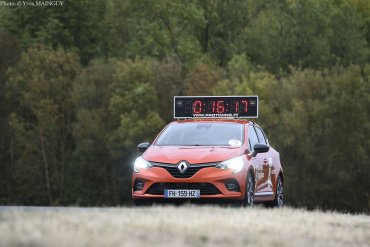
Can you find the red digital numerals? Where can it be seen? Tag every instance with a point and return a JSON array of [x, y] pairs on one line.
[[245, 105], [197, 107], [220, 107]]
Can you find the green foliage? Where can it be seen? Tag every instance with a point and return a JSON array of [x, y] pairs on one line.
[[75, 24], [117, 108], [91, 170], [41, 137], [155, 29], [96, 78], [345, 130], [134, 99], [319, 122], [305, 34], [168, 83], [9, 56], [201, 79]]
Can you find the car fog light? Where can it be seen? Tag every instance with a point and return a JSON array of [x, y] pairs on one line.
[[233, 185], [230, 186], [140, 186]]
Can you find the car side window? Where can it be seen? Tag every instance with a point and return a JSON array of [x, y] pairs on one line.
[[261, 136], [267, 140], [252, 137]]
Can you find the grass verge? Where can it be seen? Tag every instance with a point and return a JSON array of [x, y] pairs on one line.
[[187, 225]]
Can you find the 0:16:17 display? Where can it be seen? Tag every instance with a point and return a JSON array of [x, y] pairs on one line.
[[220, 107]]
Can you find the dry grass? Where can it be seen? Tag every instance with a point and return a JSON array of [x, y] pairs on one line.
[[188, 225]]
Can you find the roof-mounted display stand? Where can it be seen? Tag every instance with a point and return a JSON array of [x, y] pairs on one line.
[[215, 107]]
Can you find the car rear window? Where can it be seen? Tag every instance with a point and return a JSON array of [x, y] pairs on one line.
[[202, 134]]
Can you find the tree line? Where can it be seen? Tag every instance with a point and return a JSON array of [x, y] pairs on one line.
[[82, 84]]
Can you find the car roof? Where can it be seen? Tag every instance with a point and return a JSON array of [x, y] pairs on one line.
[[219, 120]]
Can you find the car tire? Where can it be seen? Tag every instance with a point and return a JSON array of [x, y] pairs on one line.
[[249, 191], [279, 197]]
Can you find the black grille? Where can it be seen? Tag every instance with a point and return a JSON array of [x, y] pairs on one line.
[[205, 188], [192, 169]]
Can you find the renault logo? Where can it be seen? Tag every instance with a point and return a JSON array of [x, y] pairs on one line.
[[182, 167]]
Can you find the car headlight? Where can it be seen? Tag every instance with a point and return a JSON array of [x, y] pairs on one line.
[[142, 163], [236, 164]]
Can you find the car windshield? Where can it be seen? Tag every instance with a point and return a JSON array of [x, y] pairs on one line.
[[202, 134]]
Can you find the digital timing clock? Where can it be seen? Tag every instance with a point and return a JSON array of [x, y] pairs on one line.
[[216, 106]]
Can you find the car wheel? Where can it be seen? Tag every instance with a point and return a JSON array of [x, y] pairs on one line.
[[279, 197], [249, 191]]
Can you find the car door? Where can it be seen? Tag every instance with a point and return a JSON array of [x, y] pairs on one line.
[[257, 161], [266, 183]]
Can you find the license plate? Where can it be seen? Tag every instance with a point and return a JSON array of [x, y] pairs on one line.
[[182, 193]]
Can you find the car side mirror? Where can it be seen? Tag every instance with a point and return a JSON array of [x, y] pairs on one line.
[[143, 146], [260, 148]]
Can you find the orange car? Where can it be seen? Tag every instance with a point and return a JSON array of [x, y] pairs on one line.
[[210, 158]]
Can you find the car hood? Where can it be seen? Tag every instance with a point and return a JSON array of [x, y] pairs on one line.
[[194, 155]]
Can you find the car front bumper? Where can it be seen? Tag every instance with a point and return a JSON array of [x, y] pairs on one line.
[[211, 182]]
